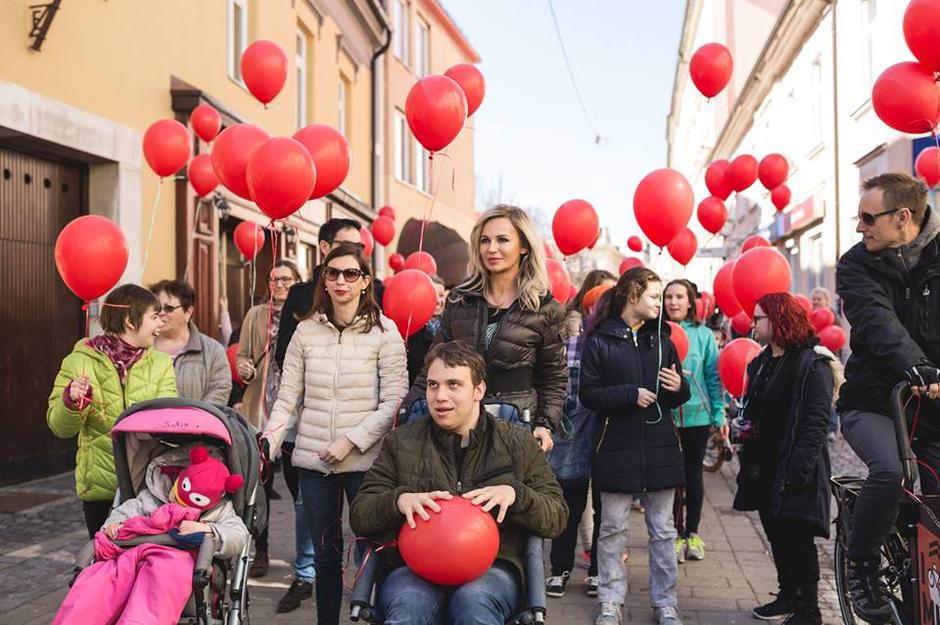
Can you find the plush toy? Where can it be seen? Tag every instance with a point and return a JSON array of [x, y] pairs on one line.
[[204, 482]]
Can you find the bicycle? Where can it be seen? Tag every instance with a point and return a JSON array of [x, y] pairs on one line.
[[910, 555]]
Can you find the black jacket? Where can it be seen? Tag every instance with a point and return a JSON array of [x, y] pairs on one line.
[[800, 485], [637, 449], [418, 345], [895, 324]]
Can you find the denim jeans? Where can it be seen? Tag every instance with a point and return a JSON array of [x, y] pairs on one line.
[[323, 504], [406, 599], [303, 543]]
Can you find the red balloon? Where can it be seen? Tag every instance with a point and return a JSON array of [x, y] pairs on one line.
[[330, 153], [716, 179], [396, 261], [422, 261], [558, 278], [249, 239], [710, 68], [436, 109], [773, 171], [683, 246], [409, 300], [368, 243], [906, 98], [387, 211], [232, 354], [754, 241], [927, 165], [280, 176], [206, 122], [461, 530], [758, 272], [383, 229], [832, 337], [471, 82], [712, 214], [629, 263], [822, 318], [264, 69], [805, 303], [91, 255], [548, 251], [167, 146], [704, 306], [921, 28], [230, 155], [732, 364], [743, 172], [663, 204], [724, 290], [780, 197], [201, 175], [680, 339], [741, 323], [635, 243], [575, 226]]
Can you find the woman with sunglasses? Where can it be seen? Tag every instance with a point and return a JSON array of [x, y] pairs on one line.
[[345, 368]]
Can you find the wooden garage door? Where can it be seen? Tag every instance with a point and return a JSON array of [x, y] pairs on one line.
[[41, 318]]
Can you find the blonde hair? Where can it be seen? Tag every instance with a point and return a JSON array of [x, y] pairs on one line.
[[533, 281]]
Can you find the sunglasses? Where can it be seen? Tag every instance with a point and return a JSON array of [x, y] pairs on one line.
[[350, 275], [869, 218]]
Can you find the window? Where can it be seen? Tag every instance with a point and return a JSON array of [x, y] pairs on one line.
[[343, 106], [869, 17], [422, 49], [301, 60], [816, 101], [401, 31], [237, 17], [402, 153], [422, 168]]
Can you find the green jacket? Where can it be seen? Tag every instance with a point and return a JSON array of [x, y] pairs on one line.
[[707, 404], [422, 457], [150, 377]]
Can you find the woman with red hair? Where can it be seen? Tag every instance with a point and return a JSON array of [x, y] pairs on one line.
[[784, 459]]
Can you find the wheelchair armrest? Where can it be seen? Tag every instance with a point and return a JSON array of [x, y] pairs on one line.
[[147, 539], [83, 560], [534, 563], [360, 603]]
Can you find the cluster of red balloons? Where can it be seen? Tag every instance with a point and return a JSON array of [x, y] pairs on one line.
[[830, 335], [704, 306], [575, 227], [383, 227], [710, 68], [437, 106]]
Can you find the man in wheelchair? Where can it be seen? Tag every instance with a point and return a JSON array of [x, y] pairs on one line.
[[461, 451]]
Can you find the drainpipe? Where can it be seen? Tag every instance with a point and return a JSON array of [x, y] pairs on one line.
[[377, 143]]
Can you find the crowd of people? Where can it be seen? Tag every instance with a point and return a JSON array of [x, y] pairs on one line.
[[561, 422]]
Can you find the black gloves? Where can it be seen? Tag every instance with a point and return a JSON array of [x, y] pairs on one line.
[[923, 375]]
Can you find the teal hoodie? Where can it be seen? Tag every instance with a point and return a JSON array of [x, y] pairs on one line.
[[707, 405]]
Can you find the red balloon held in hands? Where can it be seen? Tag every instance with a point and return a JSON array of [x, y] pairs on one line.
[[629, 263], [822, 318], [773, 171], [927, 166], [167, 146], [387, 211], [922, 31], [91, 255], [635, 244], [663, 203], [710, 68], [249, 239], [743, 172], [422, 261], [436, 109], [575, 226], [471, 81], [716, 179], [780, 197], [264, 69], [231, 353], [330, 153], [732, 364], [906, 97], [755, 240], [201, 174], [832, 337], [741, 323], [230, 154], [409, 300], [683, 246], [724, 290], [368, 243], [712, 214], [383, 229], [280, 176], [758, 272], [396, 261], [680, 339], [206, 122]]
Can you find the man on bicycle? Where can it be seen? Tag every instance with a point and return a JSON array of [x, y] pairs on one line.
[[890, 288]]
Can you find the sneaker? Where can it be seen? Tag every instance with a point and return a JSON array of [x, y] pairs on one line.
[[695, 548], [298, 591], [809, 616], [609, 614], [260, 564], [667, 616], [555, 585], [681, 547], [784, 605], [591, 582], [867, 591]]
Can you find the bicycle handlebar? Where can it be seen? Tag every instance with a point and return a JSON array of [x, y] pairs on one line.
[[908, 461]]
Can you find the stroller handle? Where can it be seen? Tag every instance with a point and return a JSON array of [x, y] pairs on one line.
[[901, 433]]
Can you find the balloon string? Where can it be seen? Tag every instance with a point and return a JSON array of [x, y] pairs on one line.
[[265, 409], [192, 239], [153, 221], [86, 308]]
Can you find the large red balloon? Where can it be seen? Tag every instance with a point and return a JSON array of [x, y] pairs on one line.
[[683, 246], [558, 279], [724, 290], [927, 165], [471, 82], [822, 318], [249, 239], [202, 175], [91, 255], [396, 261], [755, 240], [635, 244], [922, 31], [710, 68], [383, 229], [741, 323], [780, 197], [387, 211], [368, 243], [712, 214], [716, 179], [732, 364], [680, 339], [409, 300], [772, 171], [280, 176], [436, 109], [832, 337], [167, 146], [575, 226], [467, 535], [663, 203], [743, 172], [330, 153], [629, 263], [206, 122], [758, 272], [231, 353], [906, 98], [422, 261], [264, 69], [230, 155]]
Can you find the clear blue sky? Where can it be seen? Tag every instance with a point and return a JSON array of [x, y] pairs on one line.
[[530, 129]]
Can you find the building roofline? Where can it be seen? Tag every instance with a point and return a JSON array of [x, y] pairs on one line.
[[440, 13]]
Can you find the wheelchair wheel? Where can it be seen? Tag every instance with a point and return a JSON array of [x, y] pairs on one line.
[[714, 454]]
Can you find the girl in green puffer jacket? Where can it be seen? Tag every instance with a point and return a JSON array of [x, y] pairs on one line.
[[98, 380]]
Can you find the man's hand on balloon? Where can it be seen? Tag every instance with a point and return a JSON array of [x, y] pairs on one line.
[[492, 496], [411, 504]]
